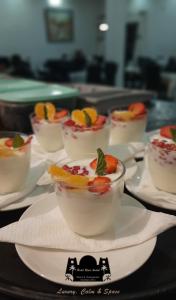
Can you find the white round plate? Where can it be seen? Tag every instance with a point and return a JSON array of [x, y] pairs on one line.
[[149, 193], [51, 264]]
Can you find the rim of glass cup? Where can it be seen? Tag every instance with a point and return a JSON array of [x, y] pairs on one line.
[[32, 115], [10, 134], [91, 128], [121, 175], [121, 108]]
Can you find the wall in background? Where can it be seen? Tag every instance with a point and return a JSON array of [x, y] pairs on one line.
[[22, 29], [116, 11], [157, 19]]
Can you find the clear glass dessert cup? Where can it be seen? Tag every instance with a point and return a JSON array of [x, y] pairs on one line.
[[14, 165], [78, 142], [123, 132], [90, 213], [161, 164], [48, 134]]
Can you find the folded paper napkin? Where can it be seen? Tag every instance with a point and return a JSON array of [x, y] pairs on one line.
[[35, 173], [49, 230], [126, 151], [39, 152], [145, 189]]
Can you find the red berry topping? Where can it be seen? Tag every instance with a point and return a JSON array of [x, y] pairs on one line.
[[111, 164], [137, 108], [99, 185], [166, 131], [66, 168], [164, 145], [76, 170], [9, 143], [69, 123]]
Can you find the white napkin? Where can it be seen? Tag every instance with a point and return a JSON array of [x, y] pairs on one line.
[[29, 199], [126, 151], [51, 157], [144, 188], [35, 173], [49, 229]]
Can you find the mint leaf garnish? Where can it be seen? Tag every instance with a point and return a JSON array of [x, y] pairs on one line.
[[87, 119], [18, 141], [173, 132], [101, 163], [45, 113]]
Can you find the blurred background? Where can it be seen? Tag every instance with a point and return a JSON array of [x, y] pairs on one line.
[[127, 43]]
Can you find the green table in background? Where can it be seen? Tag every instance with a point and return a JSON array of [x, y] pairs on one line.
[[15, 85], [18, 97]]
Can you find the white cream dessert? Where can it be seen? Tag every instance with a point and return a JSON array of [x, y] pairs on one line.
[[47, 126], [85, 132], [14, 163], [128, 125], [89, 202], [161, 159]]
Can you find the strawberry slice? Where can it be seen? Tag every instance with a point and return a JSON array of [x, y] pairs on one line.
[[100, 120], [9, 142], [166, 131], [111, 164], [137, 108], [60, 114], [99, 185]]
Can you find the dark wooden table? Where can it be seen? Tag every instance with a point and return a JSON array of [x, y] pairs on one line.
[[156, 279]]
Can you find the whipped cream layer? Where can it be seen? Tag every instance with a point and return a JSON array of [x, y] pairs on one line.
[[14, 168], [90, 213], [162, 164], [127, 131]]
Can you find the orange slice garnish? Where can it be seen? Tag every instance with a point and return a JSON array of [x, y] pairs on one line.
[[78, 117], [92, 113], [40, 110], [77, 181], [4, 152], [51, 110], [58, 172]]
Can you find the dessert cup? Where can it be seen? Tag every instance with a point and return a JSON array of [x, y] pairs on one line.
[[126, 131], [48, 134], [14, 165], [161, 163], [88, 212], [79, 142]]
